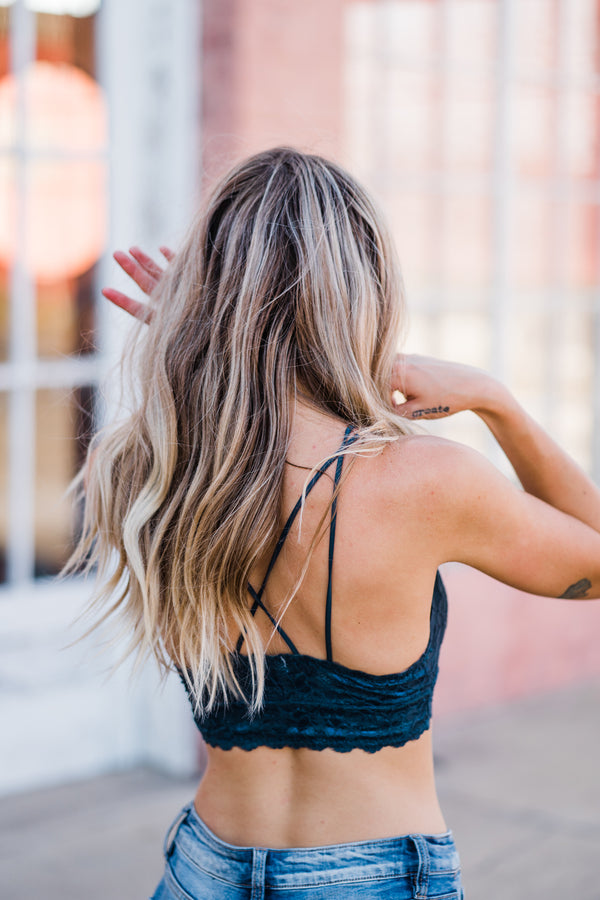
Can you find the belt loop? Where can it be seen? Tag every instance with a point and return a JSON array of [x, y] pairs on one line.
[[259, 861], [172, 829], [422, 876]]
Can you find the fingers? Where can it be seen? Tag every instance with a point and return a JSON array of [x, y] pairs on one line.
[[142, 269], [146, 262], [136, 271], [133, 307]]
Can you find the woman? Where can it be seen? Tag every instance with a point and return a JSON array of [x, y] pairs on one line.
[[278, 526]]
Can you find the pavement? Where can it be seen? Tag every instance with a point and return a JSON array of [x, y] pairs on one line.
[[520, 786]]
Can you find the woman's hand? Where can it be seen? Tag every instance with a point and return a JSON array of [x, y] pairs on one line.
[[434, 388], [146, 274]]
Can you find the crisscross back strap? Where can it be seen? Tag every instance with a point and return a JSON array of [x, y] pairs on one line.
[[257, 595], [328, 603]]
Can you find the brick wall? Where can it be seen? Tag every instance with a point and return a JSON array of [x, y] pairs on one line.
[[272, 74]]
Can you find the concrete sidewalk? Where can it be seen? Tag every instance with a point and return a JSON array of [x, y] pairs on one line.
[[520, 786]]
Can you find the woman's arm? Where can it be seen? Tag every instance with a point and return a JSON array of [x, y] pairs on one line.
[[542, 467], [545, 539]]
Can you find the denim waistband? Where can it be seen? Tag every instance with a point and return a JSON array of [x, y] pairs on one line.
[[428, 855]]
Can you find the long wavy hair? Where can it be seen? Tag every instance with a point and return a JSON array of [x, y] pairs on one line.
[[287, 282]]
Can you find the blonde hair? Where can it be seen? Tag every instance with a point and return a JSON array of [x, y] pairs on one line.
[[287, 282]]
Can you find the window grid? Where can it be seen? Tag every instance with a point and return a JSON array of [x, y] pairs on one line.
[[560, 188], [24, 374]]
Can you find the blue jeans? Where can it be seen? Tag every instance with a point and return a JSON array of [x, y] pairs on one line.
[[200, 866]]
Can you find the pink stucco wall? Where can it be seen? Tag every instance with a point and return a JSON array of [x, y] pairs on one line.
[[272, 74], [502, 644]]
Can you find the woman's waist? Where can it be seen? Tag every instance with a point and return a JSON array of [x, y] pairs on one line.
[[304, 798], [200, 861]]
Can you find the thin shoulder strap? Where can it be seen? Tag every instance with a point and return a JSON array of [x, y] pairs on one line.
[[328, 605], [279, 628], [257, 595]]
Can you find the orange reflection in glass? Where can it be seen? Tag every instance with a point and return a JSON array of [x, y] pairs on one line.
[[64, 204]]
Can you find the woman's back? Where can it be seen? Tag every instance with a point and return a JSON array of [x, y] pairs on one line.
[[382, 586], [272, 335]]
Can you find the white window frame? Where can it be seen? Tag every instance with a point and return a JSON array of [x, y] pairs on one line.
[[148, 55]]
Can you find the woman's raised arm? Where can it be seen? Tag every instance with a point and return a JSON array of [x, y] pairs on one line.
[[544, 539]]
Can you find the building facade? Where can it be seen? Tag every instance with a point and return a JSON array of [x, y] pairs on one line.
[[475, 124]]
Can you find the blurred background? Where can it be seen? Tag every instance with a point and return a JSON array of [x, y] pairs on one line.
[[476, 126]]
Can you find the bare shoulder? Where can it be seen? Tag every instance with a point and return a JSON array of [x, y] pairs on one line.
[[431, 485], [449, 503], [409, 497], [425, 463]]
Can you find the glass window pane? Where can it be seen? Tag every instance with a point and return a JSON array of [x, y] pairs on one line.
[[63, 199], [530, 237], [579, 129], [410, 216], [465, 336], [582, 246], [581, 38], [67, 316], [526, 350], [410, 114], [576, 380], [67, 200], [535, 38], [67, 217], [428, 90], [67, 39], [5, 16], [467, 238], [64, 421], [390, 116], [407, 30], [472, 32], [533, 130], [469, 115]]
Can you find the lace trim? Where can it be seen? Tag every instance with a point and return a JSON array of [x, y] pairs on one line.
[[321, 704]]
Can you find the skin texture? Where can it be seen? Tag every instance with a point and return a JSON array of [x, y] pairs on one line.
[[422, 502]]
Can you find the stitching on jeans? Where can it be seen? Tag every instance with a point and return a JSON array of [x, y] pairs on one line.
[[454, 895], [324, 884], [310, 884], [196, 865], [307, 884]]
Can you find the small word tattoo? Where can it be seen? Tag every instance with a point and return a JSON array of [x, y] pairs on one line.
[[577, 590], [417, 413]]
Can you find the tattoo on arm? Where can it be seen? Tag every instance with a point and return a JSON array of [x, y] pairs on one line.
[[417, 413], [577, 590]]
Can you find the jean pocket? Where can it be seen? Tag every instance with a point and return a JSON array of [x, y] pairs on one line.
[[445, 886], [173, 829]]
